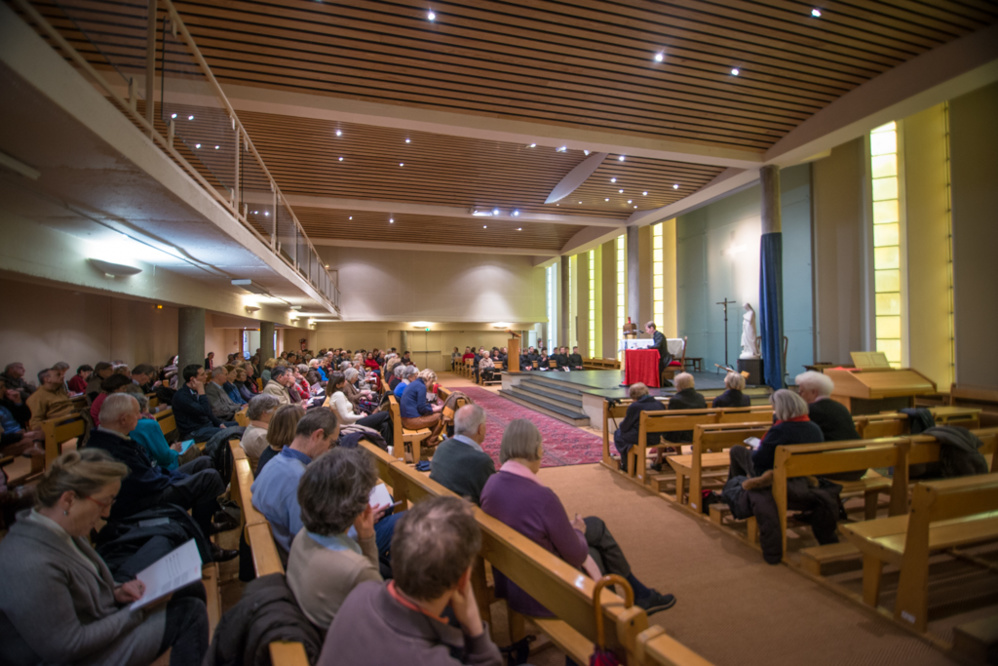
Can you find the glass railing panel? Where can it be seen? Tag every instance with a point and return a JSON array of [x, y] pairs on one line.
[[287, 239], [256, 195], [202, 128]]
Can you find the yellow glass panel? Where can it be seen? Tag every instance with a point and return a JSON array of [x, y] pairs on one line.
[[885, 234], [891, 349], [886, 127], [884, 165], [886, 257], [882, 143], [889, 327], [657, 294], [885, 188], [656, 242], [888, 304], [656, 255], [657, 282], [885, 211], [889, 280]]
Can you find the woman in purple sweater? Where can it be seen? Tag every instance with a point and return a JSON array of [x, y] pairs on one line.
[[515, 496]]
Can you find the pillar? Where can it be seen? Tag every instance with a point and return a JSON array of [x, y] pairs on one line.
[[267, 350], [190, 336], [771, 278], [634, 277], [404, 342], [563, 304]]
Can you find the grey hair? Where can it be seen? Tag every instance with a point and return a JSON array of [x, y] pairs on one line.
[[521, 439], [345, 364], [468, 420], [219, 371], [351, 374], [302, 368], [260, 405], [278, 371], [788, 405], [117, 405], [734, 381], [399, 370], [411, 371], [822, 384], [334, 490], [637, 390], [141, 397], [684, 380]]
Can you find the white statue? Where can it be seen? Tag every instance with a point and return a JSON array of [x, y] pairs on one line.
[[750, 341]]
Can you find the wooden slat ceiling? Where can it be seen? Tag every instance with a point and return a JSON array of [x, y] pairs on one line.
[[585, 65]]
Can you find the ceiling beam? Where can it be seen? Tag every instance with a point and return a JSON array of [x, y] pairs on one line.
[[431, 247]]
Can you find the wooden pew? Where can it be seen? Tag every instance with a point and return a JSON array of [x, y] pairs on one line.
[[980, 397], [58, 432], [166, 420], [261, 541], [553, 582], [944, 514], [710, 452], [614, 412], [402, 437]]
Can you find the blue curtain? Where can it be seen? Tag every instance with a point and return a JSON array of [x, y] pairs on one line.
[[771, 307]]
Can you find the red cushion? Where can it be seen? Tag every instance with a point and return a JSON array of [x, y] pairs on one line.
[[674, 363]]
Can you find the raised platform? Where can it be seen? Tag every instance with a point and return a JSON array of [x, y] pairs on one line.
[[577, 397]]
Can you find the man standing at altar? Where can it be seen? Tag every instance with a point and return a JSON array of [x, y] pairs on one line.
[[661, 344]]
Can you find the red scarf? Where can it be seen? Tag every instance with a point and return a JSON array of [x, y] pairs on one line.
[[799, 419]]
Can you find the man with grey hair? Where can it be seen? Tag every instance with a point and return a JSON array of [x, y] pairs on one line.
[[459, 463], [280, 379], [222, 405], [830, 415], [194, 486]]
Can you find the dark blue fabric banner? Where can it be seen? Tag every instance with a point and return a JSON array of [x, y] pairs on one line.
[[771, 307]]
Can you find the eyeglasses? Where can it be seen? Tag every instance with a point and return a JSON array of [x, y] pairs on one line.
[[105, 504]]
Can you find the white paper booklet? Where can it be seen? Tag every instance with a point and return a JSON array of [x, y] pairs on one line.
[[379, 496], [171, 572]]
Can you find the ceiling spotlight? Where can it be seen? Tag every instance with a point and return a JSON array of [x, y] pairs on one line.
[[197, 145], [630, 201], [644, 194], [266, 213], [735, 71], [339, 132], [190, 117], [533, 145], [676, 186], [431, 16], [660, 56], [561, 149], [816, 13], [586, 152], [620, 191], [341, 159], [485, 226], [635, 206], [401, 164], [216, 147], [495, 211], [173, 115], [516, 213], [391, 220], [519, 228], [620, 159], [613, 180], [350, 218], [580, 202], [606, 199], [408, 140]]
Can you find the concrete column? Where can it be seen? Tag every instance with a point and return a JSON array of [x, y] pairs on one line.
[[769, 177], [404, 343], [266, 342], [771, 278], [190, 336], [566, 297], [634, 276]]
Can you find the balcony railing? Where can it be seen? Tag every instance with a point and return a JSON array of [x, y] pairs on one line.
[[125, 48]]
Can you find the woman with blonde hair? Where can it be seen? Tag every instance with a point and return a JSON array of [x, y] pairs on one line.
[[280, 433], [515, 496], [58, 600], [416, 412]]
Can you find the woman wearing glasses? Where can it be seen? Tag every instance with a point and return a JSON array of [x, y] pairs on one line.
[[58, 601]]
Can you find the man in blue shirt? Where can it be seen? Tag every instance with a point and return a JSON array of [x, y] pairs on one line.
[[416, 412]]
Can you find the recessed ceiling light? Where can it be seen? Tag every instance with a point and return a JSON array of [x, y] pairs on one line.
[[256, 212], [620, 159], [561, 149], [635, 206], [580, 202], [216, 147], [190, 117], [197, 145], [408, 140], [816, 13], [495, 211], [350, 218], [516, 213], [620, 191], [266, 213], [431, 16], [341, 159], [660, 56], [533, 145], [613, 180], [485, 226], [586, 152], [644, 194], [735, 71], [676, 186], [519, 228], [173, 116], [605, 199], [401, 164], [339, 132], [630, 201]]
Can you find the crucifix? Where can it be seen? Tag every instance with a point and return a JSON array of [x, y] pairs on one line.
[[725, 303]]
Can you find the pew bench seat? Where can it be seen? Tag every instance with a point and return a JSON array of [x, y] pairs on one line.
[[682, 465], [567, 639], [870, 487], [814, 559]]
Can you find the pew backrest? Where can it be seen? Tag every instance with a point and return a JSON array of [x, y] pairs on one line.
[[166, 420], [58, 431]]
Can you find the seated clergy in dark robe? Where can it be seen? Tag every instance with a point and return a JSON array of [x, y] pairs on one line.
[[831, 416]]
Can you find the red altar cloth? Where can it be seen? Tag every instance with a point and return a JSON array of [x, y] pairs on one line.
[[641, 365]]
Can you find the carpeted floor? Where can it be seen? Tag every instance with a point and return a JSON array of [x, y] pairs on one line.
[[563, 444]]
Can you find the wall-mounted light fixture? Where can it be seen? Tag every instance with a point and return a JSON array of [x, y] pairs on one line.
[[111, 269], [250, 309]]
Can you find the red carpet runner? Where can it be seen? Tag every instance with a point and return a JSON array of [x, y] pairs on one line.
[[563, 444]]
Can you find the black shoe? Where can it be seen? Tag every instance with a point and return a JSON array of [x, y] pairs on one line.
[[622, 465], [223, 521], [219, 554], [656, 602], [655, 467]]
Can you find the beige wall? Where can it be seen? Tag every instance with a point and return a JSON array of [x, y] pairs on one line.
[[437, 286], [841, 318], [974, 167]]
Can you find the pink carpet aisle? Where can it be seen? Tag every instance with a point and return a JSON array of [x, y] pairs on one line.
[[563, 444]]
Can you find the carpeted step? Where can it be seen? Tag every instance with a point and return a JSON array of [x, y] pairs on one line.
[[567, 389], [566, 415], [550, 396]]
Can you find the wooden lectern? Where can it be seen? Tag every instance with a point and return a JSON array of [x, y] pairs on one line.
[[513, 353], [869, 391]]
